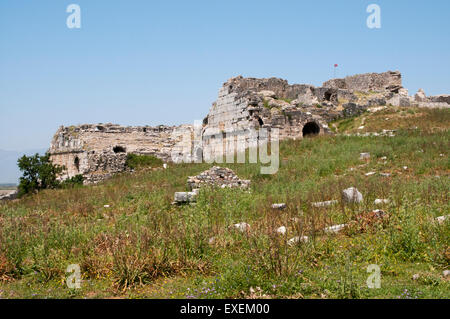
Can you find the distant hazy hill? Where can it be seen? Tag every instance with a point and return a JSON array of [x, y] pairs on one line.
[[9, 172]]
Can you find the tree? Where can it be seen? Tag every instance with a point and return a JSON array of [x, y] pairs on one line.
[[38, 173]]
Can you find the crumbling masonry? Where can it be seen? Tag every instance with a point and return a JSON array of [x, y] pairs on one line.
[[297, 111]]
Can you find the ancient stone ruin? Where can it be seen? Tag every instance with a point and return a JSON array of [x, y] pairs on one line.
[[97, 151], [217, 176]]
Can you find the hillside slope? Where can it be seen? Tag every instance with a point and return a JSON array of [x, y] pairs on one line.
[[140, 245]]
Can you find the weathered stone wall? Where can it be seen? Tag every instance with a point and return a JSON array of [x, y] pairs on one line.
[[243, 104], [101, 150], [387, 81]]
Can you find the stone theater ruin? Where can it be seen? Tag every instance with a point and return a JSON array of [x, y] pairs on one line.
[[98, 151]]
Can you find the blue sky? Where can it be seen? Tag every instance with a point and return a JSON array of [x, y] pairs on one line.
[[162, 62]]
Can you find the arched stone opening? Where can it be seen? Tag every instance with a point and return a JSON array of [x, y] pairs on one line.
[[119, 149], [310, 129], [76, 162], [260, 121]]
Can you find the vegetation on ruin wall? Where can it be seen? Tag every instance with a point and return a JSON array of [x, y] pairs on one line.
[[142, 246], [135, 161]]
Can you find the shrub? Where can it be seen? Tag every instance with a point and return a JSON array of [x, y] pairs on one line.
[[138, 161], [76, 180], [38, 173]]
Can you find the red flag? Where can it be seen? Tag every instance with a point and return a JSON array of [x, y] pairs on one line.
[[335, 65]]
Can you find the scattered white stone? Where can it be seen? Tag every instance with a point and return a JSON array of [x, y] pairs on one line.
[[295, 240], [352, 195], [335, 229], [364, 156], [441, 155], [164, 165], [379, 201], [185, 197], [361, 127], [370, 173], [416, 277], [325, 204], [106, 206], [442, 219], [384, 158], [385, 174], [242, 227], [295, 220], [281, 230], [405, 167], [446, 273], [280, 206]]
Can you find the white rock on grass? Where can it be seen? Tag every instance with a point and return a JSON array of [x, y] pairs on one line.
[[242, 227], [370, 173], [335, 229], [295, 240], [352, 195], [164, 165], [446, 273], [364, 156], [325, 204], [280, 206], [185, 197], [379, 201], [442, 219], [281, 230]]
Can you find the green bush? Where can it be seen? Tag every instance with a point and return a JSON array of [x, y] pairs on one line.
[[76, 180], [135, 161], [38, 173]]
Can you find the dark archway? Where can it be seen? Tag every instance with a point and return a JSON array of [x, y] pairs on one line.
[[310, 129], [260, 121], [76, 162], [328, 96], [119, 149]]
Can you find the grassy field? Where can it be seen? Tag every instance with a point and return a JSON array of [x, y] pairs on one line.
[[141, 246]]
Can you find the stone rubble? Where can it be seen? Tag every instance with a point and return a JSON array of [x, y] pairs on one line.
[[379, 201], [297, 239], [352, 195], [185, 197], [281, 230], [442, 219], [335, 228], [217, 176], [242, 227], [325, 204], [9, 195], [280, 206], [364, 156]]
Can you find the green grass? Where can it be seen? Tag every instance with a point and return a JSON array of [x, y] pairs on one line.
[[144, 247], [135, 161]]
